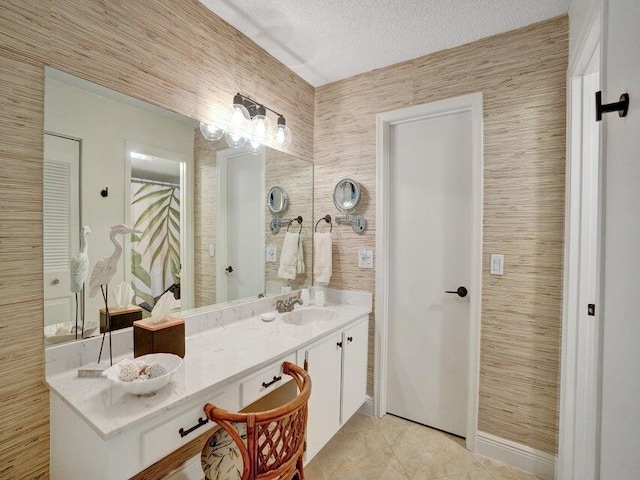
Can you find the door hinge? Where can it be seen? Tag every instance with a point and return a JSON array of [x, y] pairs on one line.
[[591, 309]]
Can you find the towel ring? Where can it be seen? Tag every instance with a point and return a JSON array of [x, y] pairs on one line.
[[297, 219], [326, 218]]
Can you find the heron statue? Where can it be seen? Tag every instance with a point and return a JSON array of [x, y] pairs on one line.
[[79, 271], [102, 274]]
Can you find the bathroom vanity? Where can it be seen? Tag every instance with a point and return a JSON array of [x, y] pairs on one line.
[[233, 358]]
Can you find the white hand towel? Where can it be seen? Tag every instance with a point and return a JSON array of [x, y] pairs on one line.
[[322, 259], [289, 256], [300, 266]]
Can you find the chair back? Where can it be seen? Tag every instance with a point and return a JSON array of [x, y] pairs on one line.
[[274, 438]]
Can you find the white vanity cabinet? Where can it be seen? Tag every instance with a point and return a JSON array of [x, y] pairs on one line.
[[338, 368], [100, 433], [78, 452], [354, 368]]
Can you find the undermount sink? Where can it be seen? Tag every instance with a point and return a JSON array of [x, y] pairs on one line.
[[308, 316]]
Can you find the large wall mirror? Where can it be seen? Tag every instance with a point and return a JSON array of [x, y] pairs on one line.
[[199, 210]]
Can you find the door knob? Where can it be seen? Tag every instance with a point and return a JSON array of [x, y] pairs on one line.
[[229, 269], [461, 291]]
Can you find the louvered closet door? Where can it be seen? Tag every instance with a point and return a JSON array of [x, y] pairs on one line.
[[61, 225]]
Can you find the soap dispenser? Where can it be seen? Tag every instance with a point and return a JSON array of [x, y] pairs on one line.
[[305, 296], [319, 296]]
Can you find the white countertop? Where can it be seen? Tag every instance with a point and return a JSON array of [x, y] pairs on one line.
[[214, 358]]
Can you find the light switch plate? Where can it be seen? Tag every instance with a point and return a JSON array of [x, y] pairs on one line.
[[365, 258], [212, 250], [270, 253], [497, 264]]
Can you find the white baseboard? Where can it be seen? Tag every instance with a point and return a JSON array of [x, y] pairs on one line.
[[189, 470], [367, 407], [517, 455]]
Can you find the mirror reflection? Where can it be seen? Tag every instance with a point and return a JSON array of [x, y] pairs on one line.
[[346, 195], [197, 207], [277, 200]]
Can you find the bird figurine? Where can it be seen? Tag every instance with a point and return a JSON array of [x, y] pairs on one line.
[[79, 269], [102, 274], [106, 268], [80, 263]]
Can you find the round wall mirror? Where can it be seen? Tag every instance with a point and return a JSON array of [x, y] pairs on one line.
[[277, 200], [346, 195]]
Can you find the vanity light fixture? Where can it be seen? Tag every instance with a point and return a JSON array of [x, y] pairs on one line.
[[211, 132], [283, 134], [249, 125]]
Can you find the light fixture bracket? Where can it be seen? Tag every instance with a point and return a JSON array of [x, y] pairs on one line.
[[254, 108]]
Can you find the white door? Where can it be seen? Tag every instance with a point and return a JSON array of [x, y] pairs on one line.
[[430, 241], [620, 426], [240, 263], [61, 225]]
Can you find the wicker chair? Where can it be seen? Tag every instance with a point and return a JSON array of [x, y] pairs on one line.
[[265, 445]]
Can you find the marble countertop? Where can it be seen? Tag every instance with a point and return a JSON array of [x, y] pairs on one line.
[[214, 358]]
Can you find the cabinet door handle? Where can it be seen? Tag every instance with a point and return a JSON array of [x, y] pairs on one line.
[[350, 339], [275, 379], [201, 421], [339, 344]]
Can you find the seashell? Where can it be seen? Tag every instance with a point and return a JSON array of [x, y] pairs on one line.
[[129, 372], [156, 370]]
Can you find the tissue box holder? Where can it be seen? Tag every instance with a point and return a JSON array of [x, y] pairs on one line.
[[165, 337], [120, 318]]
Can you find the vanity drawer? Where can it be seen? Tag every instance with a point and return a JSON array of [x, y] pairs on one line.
[[163, 439], [265, 381]]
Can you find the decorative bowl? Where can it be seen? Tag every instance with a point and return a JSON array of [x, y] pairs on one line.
[[63, 332], [168, 361]]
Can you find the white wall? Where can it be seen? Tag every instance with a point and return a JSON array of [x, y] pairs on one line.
[[620, 425], [104, 125]]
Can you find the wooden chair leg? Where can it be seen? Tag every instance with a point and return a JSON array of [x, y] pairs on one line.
[[300, 469]]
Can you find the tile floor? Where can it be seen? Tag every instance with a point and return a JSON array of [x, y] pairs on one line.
[[391, 448]]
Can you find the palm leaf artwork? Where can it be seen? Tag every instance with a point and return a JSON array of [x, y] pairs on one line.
[[155, 256]]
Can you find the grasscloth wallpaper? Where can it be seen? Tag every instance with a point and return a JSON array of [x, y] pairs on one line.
[[176, 54], [522, 77], [180, 56]]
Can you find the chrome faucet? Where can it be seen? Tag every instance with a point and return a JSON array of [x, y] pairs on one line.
[[287, 305]]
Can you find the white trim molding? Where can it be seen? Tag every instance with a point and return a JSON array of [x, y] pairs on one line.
[[367, 407], [525, 458], [579, 409], [384, 121]]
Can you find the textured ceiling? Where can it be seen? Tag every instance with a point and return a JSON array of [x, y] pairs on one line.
[[328, 40]]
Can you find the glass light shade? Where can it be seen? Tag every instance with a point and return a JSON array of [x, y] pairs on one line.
[[283, 136], [237, 134], [235, 140], [254, 147], [260, 128], [211, 132], [239, 116]]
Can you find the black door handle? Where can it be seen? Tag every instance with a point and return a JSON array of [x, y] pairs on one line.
[[229, 269], [461, 291]]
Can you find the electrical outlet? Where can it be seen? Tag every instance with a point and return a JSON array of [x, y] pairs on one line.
[[212, 250], [365, 258], [497, 264], [270, 253]]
